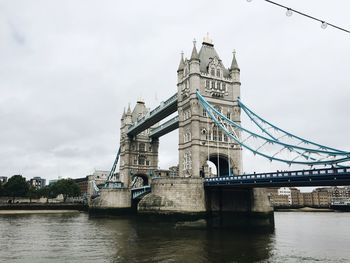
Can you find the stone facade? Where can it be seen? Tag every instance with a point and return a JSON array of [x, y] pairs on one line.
[[138, 155], [199, 139], [174, 195], [112, 198]]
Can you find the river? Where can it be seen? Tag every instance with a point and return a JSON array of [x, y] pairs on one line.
[[76, 237]]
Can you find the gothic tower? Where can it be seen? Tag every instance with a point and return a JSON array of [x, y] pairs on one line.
[[139, 154], [199, 139]]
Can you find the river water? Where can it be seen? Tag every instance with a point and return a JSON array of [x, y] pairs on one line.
[[76, 237]]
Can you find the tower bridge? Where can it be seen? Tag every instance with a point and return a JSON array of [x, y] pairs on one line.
[[209, 123]]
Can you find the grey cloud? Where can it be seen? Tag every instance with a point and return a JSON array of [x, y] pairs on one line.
[[67, 70]]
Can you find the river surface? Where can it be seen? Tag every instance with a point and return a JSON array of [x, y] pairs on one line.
[[76, 237]]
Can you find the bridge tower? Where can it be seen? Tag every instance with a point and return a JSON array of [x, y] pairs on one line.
[[199, 139], [139, 154]]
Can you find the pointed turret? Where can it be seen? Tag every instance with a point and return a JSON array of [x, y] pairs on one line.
[[128, 111], [182, 63], [123, 116], [234, 64], [194, 55]]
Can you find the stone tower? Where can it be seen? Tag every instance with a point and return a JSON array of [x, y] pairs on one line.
[[139, 154], [199, 139]]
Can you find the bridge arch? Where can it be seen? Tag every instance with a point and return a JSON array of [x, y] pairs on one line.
[[221, 162], [139, 180]]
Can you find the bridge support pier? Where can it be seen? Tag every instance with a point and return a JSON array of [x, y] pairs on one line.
[[182, 196], [239, 208], [112, 201]]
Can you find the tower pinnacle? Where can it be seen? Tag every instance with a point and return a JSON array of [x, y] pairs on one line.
[[182, 64], [194, 54], [234, 64]]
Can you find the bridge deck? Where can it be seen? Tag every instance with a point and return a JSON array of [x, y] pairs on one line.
[[316, 177], [165, 128], [162, 111]]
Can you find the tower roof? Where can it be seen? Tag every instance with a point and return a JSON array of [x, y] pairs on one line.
[[207, 54], [128, 112], [123, 116], [234, 64], [194, 54], [139, 111], [182, 64]]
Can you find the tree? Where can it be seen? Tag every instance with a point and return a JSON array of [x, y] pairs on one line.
[[33, 193], [46, 192], [66, 187], [2, 190], [16, 186]]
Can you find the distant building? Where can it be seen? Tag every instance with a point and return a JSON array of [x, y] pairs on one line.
[[319, 197], [308, 199], [37, 182], [287, 192], [297, 197], [83, 184], [55, 180], [278, 197], [3, 179], [99, 176]]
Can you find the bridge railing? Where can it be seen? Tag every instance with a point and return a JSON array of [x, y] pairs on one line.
[[164, 125], [138, 192], [153, 112], [279, 174]]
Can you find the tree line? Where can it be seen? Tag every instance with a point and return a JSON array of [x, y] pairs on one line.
[[17, 186]]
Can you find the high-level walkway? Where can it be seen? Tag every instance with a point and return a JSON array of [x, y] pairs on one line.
[[164, 110]]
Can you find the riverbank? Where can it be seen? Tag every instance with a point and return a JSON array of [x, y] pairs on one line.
[[303, 209], [40, 206], [26, 212]]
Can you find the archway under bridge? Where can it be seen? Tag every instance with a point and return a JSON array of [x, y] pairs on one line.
[[139, 180], [218, 165]]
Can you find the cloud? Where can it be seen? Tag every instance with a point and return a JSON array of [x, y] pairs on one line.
[[67, 70]]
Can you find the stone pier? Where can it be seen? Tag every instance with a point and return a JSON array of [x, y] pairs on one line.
[[112, 201], [177, 195], [239, 208]]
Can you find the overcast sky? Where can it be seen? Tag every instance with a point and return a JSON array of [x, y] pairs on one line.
[[68, 68]]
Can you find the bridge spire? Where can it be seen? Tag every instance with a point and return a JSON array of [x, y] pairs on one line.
[[194, 55], [182, 64], [234, 64], [123, 116], [129, 110]]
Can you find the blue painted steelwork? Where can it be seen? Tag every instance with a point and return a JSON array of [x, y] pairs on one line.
[[139, 192], [165, 109], [252, 114], [111, 181], [112, 172], [314, 177], [165, 128], [321, 155]]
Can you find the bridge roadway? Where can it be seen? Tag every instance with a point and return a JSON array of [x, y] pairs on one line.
[[165, 109], [314, 177]]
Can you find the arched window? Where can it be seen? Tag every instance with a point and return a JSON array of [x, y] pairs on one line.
[[218, 72], [212, 72], [215, 135], [141, 160], [204, 113], [187, 161], [141, 147]]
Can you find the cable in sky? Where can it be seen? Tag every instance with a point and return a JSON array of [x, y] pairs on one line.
[[290, 11]]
